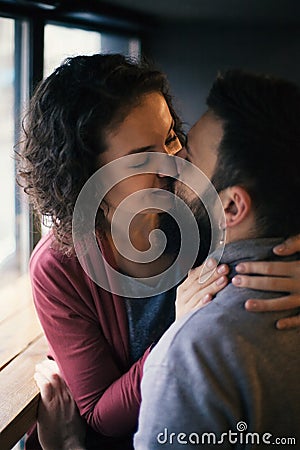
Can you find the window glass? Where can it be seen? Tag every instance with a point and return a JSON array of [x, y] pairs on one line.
[[61, 42], [111, 43], [8, 245], [14, 218]]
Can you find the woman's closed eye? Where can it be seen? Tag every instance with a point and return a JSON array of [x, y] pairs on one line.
[[141, 159]]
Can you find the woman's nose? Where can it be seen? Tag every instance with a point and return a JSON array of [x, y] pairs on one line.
[[180, 163], [168, 168]]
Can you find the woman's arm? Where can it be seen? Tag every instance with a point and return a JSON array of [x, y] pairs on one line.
[[106, 389], [107, 398], [276, 276]]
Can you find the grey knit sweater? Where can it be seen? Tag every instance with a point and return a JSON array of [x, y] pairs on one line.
[[224, 370]]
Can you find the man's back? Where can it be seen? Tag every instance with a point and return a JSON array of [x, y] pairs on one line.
[[223, 370]]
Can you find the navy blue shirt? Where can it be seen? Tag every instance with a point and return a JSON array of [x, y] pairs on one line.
[[148, 319]]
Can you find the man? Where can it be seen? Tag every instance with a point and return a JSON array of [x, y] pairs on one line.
[[221, 376]]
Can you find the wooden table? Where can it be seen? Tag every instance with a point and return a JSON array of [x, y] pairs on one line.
[[22, 346]]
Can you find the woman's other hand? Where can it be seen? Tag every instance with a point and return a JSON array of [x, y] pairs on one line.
[[59, 423]]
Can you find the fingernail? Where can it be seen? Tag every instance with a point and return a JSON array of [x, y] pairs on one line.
[[210, 263], [280, 248], [237, 280], [280, 326], [221, 269], [250, 304], [220, 281], [240, 268]]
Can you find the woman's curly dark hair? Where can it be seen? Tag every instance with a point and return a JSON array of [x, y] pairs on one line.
[[65, 127]]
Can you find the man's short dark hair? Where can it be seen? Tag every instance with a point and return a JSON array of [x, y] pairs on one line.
[[260, 149]]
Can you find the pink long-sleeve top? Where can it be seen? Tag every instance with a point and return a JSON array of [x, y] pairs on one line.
[[87, 331]]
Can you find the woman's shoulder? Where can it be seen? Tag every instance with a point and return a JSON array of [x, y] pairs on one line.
[[47, 256]]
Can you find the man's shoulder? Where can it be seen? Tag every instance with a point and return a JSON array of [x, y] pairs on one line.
[[222, 328], [193, 330]]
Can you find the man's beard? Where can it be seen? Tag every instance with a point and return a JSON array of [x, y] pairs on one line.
[[203, 222]]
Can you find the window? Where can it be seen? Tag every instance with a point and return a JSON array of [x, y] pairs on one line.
[[9, 265], [62, 42], [118, 44], [14, 218]]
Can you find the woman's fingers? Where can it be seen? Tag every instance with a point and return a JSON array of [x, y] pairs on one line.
[[208, 278], [207, 267], [288, 322], [201, 285], [272, 268], [49, 380], [198, 301], [212, 286], [278, 284], [274, 304], [204, 276], [204, 296], [288, 247], [194, 294], [59, 423], [48, 367], [45, 387]]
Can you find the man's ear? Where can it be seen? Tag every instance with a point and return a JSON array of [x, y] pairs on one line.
[[237, 205]]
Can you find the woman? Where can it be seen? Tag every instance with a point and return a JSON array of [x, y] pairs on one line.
[[91, 111]]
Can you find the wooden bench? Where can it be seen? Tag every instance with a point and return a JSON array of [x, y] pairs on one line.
[[22, 346]]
